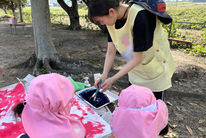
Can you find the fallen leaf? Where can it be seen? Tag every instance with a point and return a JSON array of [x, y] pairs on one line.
[[201, 121], [170, 110], [201, 129], [193, 85], [189, 129], [183, 109], [203, 105], [195, 82], [170, 104], [170, 135], [172, 126], [193, 104], [178, 108]]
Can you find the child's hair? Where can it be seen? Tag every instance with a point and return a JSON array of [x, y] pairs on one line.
[[18, 109], [101, 7]]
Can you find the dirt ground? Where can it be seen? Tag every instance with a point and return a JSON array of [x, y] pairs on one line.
[[86, 50]]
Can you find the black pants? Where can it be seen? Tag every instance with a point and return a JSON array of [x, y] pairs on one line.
[[159, 95]]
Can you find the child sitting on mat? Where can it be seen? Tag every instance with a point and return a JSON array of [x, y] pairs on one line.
[[139, 114], [46, 110]]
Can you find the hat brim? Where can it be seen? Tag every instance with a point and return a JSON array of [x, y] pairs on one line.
[[162, 16], [40, 128]]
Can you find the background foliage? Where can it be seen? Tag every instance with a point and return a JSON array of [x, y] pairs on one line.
[[194, 14]]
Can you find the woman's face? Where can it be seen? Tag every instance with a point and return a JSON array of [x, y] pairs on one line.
[[109, 19], [104, 20]]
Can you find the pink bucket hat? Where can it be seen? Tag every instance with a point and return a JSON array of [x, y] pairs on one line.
[[46, 113], [139, 114]]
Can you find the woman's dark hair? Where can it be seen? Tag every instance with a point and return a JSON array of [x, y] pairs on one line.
[[101, 7], [18, 109], [164, 131]]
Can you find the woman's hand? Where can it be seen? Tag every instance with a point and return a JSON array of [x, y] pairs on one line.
[[107, 84], [103, 78], [136, 59], [96, 82]]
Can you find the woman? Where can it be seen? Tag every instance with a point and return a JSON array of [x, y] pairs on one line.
[[139, 37]]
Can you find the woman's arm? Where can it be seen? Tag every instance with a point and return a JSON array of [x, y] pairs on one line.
[[136, 59], [109, 59]]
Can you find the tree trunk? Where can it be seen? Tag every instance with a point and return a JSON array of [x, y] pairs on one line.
[[20, 11], [72, 12], [86, 2], [12, 7], [13, 12], [45, 57], [5, 11], [45, 50], [5, 8]]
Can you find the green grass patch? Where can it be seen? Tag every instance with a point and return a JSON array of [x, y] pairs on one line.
[[188, 12]]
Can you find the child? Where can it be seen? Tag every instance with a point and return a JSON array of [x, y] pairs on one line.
[[139, 114], [1, 72], [46, 111], [138, 36]]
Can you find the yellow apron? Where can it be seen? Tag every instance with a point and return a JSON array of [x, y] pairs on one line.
[[157, 68]]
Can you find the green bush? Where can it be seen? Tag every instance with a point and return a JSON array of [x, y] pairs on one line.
[[5, 15], [171, 29], [200, 49]]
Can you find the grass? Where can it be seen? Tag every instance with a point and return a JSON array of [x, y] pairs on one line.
[[187, 11]]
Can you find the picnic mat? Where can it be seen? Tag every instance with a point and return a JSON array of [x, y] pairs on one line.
[[10, 127]]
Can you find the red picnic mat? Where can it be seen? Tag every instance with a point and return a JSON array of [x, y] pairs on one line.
[[10, 127]]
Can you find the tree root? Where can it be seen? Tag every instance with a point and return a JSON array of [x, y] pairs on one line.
[[36, 70], [42, 67], [73, 27], [60, 64]]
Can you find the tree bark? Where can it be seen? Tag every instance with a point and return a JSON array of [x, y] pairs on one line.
[[86, 2], [45, 58], [5, 11], [72, 12], [12, 7], [45, 50], [20, 11]]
